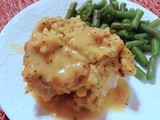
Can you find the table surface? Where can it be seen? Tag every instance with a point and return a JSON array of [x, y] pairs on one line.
[[9, 8]]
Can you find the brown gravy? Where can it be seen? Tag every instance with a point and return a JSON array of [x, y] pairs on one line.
[[117, 99]]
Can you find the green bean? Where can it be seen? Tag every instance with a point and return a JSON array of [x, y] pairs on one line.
[[88, 5], [104, 25], [155, 23], [146, 41], [111, 10], [145, 48], [155, 46], [140, 74], [103, 9], [121, 26], [145, 22], [126, 14], [150, 30], [108, 10], [131, 44], [85, 17], [140, 57], [130, 35], [115, 5], [123, 33], [112, 1], [108, 19], [137, 18], [140, 36], [126, 21], [71, 10], [132, 10], [96, 18], [84, 12], [83, 7], [151, 71], [123, 6], [113, 31], [126, 9], [101, 4], [88, 23], [104, 16], [91, 10]]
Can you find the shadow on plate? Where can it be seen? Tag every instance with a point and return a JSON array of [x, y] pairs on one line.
[[134, 102]]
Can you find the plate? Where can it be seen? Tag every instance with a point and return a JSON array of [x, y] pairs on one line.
[[20, 106]]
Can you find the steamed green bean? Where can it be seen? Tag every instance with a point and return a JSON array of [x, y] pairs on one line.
[[141, 58], [71, 10], [151, 71], [140, 74]]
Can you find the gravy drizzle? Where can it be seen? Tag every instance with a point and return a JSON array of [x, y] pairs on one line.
[[117, 99]]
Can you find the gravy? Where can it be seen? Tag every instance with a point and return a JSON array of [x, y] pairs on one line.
[[117, 99]]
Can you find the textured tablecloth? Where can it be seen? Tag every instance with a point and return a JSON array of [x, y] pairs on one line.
[[9, 8]]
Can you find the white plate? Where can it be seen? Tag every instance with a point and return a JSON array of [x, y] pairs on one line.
[[19, 106]]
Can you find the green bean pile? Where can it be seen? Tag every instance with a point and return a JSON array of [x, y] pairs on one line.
[[138, 35]]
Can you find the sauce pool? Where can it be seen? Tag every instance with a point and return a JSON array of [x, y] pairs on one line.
[[117, 99]]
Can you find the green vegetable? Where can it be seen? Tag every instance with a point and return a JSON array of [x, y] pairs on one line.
[[140, 74], [131, 44], [96, 18], [84, 12], [108, 20], [103, 26], [126, 21], [140, 36], [101, 4], [71, 10], [155, 23], [121, 26], [132, 10], [88, 23], [91, 10], [126, 14], [123, 33], [113, 31], [103, 9], [155, 47], [137, 18], [85, 18], [147, 22], [140, 57], [109, 10], [146, 41], [123, 6], [150, 30], [145, 48], [115, 5], [84, 6], [151, 71]]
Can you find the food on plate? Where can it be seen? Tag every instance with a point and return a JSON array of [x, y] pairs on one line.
[[126, 23], [67, 57]]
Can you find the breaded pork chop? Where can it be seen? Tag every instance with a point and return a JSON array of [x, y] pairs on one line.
[[64, 56]]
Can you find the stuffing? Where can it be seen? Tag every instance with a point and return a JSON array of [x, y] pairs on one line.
[[65, 56]]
